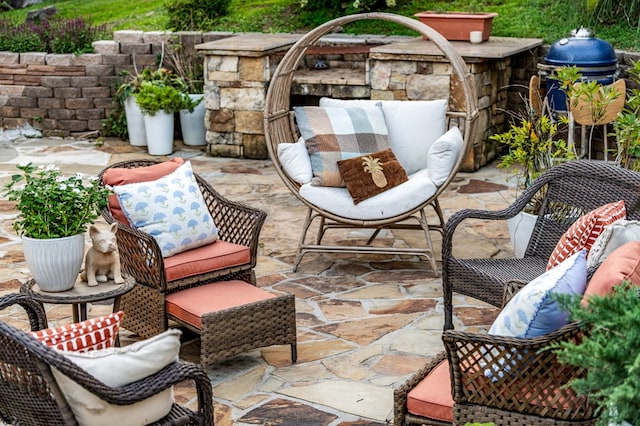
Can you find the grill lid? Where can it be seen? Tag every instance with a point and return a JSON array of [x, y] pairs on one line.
[[582, 49]]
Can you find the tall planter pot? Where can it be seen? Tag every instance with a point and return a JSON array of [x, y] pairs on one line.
[[192, 124], [135, 122], [54, 263], [159, 132]]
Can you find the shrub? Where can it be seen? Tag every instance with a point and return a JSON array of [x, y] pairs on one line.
[[188, 15], [315, 12]]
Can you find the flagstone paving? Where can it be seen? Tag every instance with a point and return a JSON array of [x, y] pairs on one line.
[[364, 323]]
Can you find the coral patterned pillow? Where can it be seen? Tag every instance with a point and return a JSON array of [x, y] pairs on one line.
[[89, 335], [584, 232]]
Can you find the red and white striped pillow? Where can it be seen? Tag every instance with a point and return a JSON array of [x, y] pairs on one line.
[[585, 230], [89, 335]]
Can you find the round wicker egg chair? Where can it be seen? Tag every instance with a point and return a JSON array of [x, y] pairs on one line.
[[280, 127]]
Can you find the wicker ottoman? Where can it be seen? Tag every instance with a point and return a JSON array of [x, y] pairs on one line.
[[232, 317]]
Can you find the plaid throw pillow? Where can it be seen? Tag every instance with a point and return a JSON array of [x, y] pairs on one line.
[[89, 335], [333, 134]]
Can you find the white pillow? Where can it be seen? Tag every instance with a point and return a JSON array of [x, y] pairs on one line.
[[533, 311], [295, 161], [171, 209], [118, 367], [443, 154], [613, 236], [413, 126]]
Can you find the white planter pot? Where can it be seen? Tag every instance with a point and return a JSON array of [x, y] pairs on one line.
[[192, 124], [159, 132], [135, 122], [54, 263], [520, 229]]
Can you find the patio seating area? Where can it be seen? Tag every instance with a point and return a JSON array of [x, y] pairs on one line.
[[365, 323]]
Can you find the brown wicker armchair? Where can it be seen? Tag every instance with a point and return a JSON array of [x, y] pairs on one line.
[[142, 259], [504, 380], [29, 394], [572, 189]]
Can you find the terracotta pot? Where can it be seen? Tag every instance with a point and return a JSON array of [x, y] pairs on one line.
[[458, 25]]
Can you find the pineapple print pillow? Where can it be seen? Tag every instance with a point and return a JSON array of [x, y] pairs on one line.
[[171, 209], [371, 174]]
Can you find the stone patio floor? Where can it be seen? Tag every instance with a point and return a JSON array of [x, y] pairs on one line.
[[365, 323]]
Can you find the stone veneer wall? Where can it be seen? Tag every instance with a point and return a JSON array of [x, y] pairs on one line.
[[68, 95]]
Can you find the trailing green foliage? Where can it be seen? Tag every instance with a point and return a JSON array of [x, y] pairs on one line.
[[627, 125], [185, 15], [610, 352], [52, 36]]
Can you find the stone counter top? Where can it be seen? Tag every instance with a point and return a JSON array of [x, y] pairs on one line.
[[253, 44], [494, 48]]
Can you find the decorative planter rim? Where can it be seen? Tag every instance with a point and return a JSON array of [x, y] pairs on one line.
[[466, 15]]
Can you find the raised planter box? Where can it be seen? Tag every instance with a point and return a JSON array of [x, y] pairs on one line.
[[458, 25]]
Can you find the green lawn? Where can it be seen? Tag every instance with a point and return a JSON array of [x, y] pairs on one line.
[[547, 19]]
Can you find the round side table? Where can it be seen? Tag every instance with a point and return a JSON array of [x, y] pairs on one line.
[[80, 295]]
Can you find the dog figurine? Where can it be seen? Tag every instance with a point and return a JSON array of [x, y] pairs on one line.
[[102, 261]]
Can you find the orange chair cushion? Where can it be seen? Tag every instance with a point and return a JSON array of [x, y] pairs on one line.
[[432, 398], [191, 304], [621, 265], [212, 257], [121, 176]]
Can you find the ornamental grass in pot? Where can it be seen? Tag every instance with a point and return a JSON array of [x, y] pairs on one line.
[[54, 212]]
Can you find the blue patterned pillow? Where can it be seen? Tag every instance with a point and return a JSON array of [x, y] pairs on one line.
[[533, 311], [171, 209]]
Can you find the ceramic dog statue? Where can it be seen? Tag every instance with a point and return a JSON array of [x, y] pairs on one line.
[[102, 261]]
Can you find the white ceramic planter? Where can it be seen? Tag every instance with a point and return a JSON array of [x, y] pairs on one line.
[[159, 132], [54, 263], [192, 124], [135, 122], [520, 229]]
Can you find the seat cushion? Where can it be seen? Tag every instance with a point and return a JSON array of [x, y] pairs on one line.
[[584, 231], [191, 304], [92, 334], [118, 367], [413, 126], [431, 398], [212, 257], [122, 175], [394, 202], [333, 134]]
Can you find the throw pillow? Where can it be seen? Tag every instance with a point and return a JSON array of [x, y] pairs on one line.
[[533, 311], [333, 134], [121, 175], [623, 264], [443, 155], [585, 230], [90, 335], [413, 126], [171, 209], [117, 367], [612, 237], [371, 174], [295, 161]]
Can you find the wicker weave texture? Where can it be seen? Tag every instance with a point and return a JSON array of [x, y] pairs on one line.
[[281, 128], [29, 395], [572, 189]]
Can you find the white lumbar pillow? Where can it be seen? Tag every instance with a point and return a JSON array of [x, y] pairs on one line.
[[118, 367], [295, 161], [443, 154], [413, 126]]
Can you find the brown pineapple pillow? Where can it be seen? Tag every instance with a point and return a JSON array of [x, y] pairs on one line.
[[371, 174]]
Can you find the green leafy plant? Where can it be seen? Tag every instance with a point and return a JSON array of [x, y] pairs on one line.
[[610, 352], [627, 125], [188, 65], [52, 205], [187, 15], [154, 96]]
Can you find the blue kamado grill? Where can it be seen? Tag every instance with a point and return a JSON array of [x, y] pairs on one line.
[[595, 58]]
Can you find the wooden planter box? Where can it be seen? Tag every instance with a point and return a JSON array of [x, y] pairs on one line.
[[458, 25]]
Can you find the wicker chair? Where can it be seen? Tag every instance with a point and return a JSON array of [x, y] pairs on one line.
[[572, 189], [281, 128], [142, 259], [29, 394], [533, 392]]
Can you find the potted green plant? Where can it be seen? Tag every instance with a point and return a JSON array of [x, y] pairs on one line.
[[532, 145], [627, 124], [133, 114], [609, 351], [54, 211], [159, 98]]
